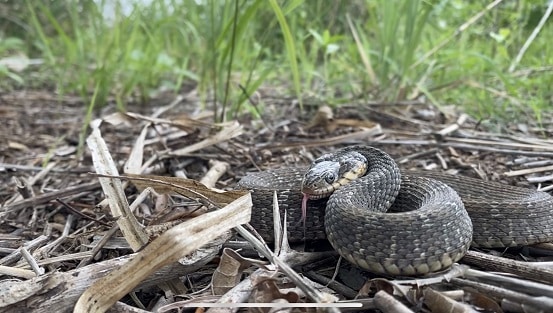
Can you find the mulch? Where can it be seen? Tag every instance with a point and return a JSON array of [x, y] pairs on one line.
[[52, 218]]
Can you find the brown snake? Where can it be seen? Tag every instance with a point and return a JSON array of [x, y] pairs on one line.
[[390, 223]]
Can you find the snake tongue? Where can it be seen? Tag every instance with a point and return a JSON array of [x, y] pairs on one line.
[[304, 208]]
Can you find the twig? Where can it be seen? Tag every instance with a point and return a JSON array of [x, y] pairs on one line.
[[544, 303], [216, 170], [309, 290], [416, 155], [179, 241], [529, 171], [62, 289], [32, 262], [500, 264], [461, 146], [16, 272], [16, 255], [387, 303], [79, 213], [47, 197], [515, 284]]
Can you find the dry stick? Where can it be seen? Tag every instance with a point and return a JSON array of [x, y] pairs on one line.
[[494, 263], [81, 214], [229, 131], [356, 136], [47, 197], [309, 290], [159, 111], [139, 200], [123, 307], [498, 143], [461, 146], [515, 284], [457, 32], [16, 255], [533, 36], [181, 240], [25, 189], [548, 188], [40, 175], [387, 303], [38, 168], [438, 302], [535, 164], [16, 272], [332, 284], [529, 170], [32, 262], [217, 169], [62, 289], [99, 246], [543, 303], [47, 249], [453, 127], [416, 155], [63, 258]]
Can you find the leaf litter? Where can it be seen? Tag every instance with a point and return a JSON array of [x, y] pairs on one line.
[[150, 239]]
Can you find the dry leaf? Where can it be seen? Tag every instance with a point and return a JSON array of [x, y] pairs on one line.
[[177, 242], [187, 187], [437, 302], [229, 271]]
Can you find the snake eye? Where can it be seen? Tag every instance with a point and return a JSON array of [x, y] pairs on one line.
[[330, 178]]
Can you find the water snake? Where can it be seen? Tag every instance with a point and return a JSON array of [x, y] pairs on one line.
[[390, 222]]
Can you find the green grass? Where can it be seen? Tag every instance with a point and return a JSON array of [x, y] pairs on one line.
[[308, 47]]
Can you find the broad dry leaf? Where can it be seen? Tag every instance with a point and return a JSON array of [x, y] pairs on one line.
[[113, 190], [229, 271], [266, 290], [186, 187]]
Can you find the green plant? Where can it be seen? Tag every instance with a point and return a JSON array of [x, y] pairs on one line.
[[10, 51], [451, 51], [393, 42]]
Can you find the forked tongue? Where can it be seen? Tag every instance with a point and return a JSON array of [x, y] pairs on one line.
[[304, 208]]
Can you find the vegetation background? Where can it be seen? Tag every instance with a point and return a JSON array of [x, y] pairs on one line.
[[494, 59]]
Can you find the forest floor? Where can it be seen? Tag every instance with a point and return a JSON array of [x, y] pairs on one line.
[[51, 201]]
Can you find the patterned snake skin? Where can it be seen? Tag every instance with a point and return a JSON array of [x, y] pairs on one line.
[[419, 228]]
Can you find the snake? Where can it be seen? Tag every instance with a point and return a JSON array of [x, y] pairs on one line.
[[391, 222]]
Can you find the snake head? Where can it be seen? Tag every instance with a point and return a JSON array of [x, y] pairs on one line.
[[330, 172], [318, 182]]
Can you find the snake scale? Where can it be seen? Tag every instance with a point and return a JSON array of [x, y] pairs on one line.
[[395, 223]]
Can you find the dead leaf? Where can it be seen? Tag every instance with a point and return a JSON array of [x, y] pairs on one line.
[[187, 187], [229, 271], [437, 302], [177, 242]]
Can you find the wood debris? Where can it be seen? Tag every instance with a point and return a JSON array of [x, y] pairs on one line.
[[73, 227]]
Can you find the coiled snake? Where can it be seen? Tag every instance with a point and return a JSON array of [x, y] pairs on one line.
[[390, 223]]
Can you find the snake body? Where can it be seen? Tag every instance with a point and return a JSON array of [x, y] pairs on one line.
[[402, 224]]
